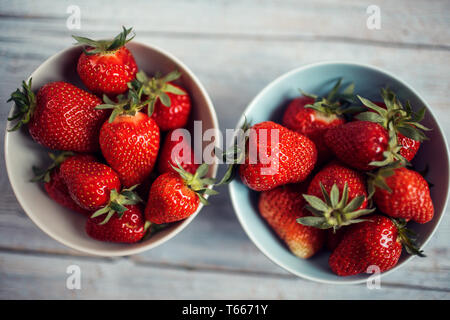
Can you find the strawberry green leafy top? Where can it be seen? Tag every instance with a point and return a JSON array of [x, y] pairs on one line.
[[156, 87], [103, 46], [25, 103], [336, 211], [396, 116], [335, 102]]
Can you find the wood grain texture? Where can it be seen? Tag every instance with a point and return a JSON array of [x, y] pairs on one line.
[[235, 48], [45, 277], [418, 23]]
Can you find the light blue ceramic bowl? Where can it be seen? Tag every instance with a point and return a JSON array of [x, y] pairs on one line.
[[270, 103]]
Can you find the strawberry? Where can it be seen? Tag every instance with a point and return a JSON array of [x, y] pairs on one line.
[[276, 156], [363, 145], [402, 193], [129, 227], [170, 104], [312, 116], [95, 186], [175, 196], [280, 207], [89, 182], [54, 184], [391, 114], [106, 66], [374, 242], [129, 140], [176, 150], [311, 123], [336, 197], [60, 117], [409, 146], [336, 173], [57, 190]]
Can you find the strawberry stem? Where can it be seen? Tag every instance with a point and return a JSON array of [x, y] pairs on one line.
[[235, 154], [44, 174], [402, 119], [377, 179], [125, 105], [24, 103], [392, 153], [103, 46], [334, 103], [407, 237], [117, 202], [197, 182], [334, 211], [156, 87], [152, 228]]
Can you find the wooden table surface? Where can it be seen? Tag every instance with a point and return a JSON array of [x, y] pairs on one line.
[[235, 48]]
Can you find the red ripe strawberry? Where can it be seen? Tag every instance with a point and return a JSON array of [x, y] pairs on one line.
[[176, 114], [89, 182], [54, 184], [402, 193], [335, 173], [374, 242], [280, 207], [175, 196], [129, 227], [409, 146], [361, 144], [176, 151], [129, 140], [60, 117], [312, 116], [106, 66], [392, 115], [170, 199], [311, 123], [170, 104], [276, 156], [336, 196], [57, 190]]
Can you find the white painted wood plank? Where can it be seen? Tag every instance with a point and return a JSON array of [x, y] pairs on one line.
[[35, 277], [252, 64], [404, 21], [254, 51], [247, 72], [204, 246]]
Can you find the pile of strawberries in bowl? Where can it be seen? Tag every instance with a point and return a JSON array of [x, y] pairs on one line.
[[111, 145], [340, 179]]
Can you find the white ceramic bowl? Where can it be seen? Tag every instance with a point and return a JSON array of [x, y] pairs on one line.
[[21, 153], [318, 78]]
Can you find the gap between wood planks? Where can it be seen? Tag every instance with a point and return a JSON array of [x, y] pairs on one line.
[[182, 267], [249, 36]]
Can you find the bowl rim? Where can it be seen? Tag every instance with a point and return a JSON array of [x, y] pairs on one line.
[[231, 188], [122, 251]]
